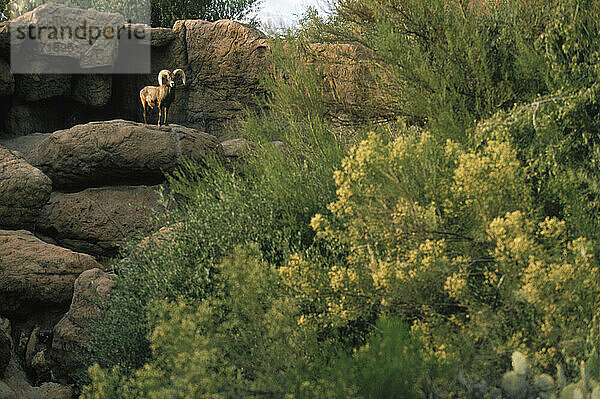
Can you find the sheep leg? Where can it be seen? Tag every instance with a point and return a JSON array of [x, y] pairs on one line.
[[159, 115], [165, 116], [144, 107]]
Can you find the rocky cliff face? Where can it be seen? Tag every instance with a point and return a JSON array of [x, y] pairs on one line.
[[92, 186], [71, 191], [223, 61], [59, 222]]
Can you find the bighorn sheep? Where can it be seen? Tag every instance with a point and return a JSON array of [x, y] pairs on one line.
[[161, 96]]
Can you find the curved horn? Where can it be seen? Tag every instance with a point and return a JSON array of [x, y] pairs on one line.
[[161, 74], [182, 74]]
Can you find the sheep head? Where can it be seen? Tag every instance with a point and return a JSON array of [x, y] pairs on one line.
[[166, 77]]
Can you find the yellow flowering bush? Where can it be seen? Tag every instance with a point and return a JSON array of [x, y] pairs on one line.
[[451, 240]]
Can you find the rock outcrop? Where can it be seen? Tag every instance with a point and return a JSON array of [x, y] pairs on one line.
[[118, 152], [223, 60], [24, 190], [86, 52], [34, 273], [70, 337], [13, 380], [97, 220], [226, 61]]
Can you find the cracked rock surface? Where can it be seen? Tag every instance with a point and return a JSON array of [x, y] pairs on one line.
[[97, 220], [34, 273], [24, 189], [117, 152]]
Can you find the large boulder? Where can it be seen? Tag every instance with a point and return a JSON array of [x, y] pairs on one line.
[[70, 336], [7, 80], [34, 273], [118, 152], [87, 53], [97, 220], [93, 90], [24, 190], [226, 61]]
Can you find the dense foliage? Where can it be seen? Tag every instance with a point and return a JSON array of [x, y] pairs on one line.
[[473, 218], [448, 64], [166, 12], [2, 8]]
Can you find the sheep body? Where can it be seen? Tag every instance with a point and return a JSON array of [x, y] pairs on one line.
[[161, 96]]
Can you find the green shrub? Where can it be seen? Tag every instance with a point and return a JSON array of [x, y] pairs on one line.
[[450, 64], [221, 210], [556, 138], [451, 239], [570, 43], [242, 342], [393, 363], [245, 342]]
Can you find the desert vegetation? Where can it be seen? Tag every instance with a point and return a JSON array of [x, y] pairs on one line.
[[409, 253]]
